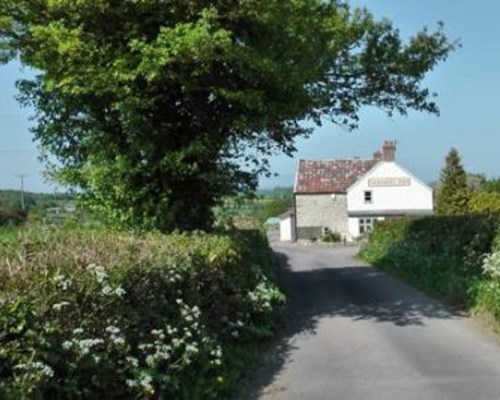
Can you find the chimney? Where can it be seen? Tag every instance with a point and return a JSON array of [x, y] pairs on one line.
[[377, 156], [389, 151]]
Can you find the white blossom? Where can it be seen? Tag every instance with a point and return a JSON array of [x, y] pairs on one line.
[[38, 366], [62, 282], [98, 271], [491, 264], [192, 348], [107, 290], [67, 345], [118, 340], [85, 345], [59, 306], [150, 361], [132, 361], [113, 329], [131, 383], [145, 382]]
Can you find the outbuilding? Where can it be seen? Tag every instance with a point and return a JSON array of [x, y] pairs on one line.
[[287, 227]]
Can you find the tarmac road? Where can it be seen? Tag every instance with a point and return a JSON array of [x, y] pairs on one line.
[[355, 333]]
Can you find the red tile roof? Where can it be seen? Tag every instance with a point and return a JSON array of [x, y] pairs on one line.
[[333, 176]]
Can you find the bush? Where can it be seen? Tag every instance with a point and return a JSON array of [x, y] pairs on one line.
[[107, 315], [12, 217], [488, 290], [331, 237], [485, 203], [441, 255]]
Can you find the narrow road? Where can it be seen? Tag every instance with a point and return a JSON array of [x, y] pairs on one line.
[[355, 333]]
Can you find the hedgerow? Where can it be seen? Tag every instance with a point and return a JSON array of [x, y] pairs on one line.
[[441, 255], [108, 315], [488, 290], [12, 217]]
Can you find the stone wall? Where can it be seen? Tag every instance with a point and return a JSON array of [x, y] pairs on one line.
[[317, 211]]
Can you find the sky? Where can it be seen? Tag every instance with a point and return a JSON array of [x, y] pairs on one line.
[[468, 85]]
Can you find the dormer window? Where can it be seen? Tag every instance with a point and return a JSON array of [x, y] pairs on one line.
[[368, 197]]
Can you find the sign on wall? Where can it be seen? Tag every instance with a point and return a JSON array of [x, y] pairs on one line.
[[389, 182]]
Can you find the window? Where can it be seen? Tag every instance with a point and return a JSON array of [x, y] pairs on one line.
[[365, 225], [368, 196]]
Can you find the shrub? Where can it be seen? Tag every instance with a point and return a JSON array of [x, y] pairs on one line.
[[485, 203], [331, 237], [12, 217], [108, 315], [442, 255], [488, 290]]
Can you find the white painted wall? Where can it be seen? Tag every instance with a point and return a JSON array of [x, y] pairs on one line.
[[417, 196], [286, 229], [409, 196], [353, 228]]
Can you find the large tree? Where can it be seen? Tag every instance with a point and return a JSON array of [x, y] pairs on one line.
[[156, 109], [453, 194]]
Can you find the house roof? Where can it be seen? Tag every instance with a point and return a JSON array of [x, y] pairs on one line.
[[330, 176]]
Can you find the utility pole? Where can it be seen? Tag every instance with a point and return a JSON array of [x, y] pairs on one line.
[[21, 177]]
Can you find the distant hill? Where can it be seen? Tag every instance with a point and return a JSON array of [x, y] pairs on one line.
[[34, 202], [281, 192]]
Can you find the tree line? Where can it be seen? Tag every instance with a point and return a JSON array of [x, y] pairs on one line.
[[460, 193]]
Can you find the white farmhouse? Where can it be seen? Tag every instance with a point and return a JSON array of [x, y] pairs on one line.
[[348, 196]]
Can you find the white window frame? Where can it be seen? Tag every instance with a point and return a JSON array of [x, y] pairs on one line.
[[366, 225], [368, 196]]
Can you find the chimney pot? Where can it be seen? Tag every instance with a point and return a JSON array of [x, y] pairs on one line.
[[389, 151]]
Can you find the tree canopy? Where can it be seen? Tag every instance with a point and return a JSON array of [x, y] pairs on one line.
[[491, 185], [157, 109], [484, 203], [453, 194]]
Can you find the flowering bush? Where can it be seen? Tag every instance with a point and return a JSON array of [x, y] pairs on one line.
[[488, 290], [102, 315], [491, 264], [441, 255]]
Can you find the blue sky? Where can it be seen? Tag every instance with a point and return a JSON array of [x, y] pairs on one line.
[[468, 85]]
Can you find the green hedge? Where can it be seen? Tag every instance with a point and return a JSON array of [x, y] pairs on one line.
[[441, 255], [484, 203], [488, 290], [12, 217], [106, 315]]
